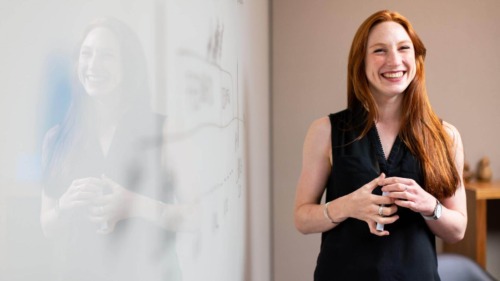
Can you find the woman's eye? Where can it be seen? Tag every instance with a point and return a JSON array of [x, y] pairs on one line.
[[106, 55], [85, 54], [405, 48], [378, 51]]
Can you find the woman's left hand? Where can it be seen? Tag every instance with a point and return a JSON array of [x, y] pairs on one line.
[[111, 207], [409, 194]]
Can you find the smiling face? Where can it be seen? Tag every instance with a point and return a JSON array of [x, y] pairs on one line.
[[389, 60], [99, 63]]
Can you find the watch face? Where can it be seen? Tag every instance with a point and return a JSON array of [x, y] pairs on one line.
[[438, 210]]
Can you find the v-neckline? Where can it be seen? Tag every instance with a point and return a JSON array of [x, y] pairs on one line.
[[385, 162]]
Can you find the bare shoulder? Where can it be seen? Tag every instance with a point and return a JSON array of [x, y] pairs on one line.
[[456, 142], [452, 132], [319, 131], [318, 139], [321, 126]]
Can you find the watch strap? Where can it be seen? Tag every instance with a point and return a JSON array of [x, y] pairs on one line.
[[434, 214]]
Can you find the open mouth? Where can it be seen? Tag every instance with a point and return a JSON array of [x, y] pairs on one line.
[[96, 78], [393, 74]]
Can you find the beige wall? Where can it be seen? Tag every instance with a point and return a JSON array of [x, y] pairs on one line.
[[310, 44], [256, 86]]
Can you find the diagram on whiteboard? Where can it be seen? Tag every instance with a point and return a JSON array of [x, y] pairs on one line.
[[204, 133]]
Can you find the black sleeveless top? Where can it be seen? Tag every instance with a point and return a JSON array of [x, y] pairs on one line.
[[136, 249], [349, 251]]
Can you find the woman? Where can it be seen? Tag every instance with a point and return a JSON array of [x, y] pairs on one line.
[[106, 202], [391, 168]]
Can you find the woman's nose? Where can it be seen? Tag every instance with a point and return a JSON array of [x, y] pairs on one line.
[[393, 58], [93, 61]]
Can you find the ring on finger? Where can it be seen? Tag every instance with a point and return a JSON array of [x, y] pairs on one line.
[[380, 213]]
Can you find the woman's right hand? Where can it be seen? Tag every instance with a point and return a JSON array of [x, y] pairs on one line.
[[80, 193], [365, 206]]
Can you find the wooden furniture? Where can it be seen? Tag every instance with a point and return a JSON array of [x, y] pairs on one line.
[[474, 243]]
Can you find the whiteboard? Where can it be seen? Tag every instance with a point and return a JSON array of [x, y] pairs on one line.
[[195, 68], [205, 132]]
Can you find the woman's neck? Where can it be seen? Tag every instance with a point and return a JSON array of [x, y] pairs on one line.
[[389, 110], [110, 113]]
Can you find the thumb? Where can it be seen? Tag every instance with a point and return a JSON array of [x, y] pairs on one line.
[[109, 182], [375, 182]]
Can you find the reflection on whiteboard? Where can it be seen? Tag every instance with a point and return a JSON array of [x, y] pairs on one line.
[[190, 161], [204, 134]]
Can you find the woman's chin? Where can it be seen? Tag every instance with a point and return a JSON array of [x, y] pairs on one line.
[[98, 92]]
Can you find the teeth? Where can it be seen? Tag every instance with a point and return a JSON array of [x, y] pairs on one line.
[[393, 74], [94, 78]]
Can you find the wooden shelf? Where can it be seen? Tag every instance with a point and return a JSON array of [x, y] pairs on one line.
[[474, 243], [485, 190]]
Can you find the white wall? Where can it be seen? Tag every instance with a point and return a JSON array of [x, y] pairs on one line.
[[311, 41]]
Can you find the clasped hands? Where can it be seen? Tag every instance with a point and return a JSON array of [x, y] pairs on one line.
[[401, 192], [107, 202]]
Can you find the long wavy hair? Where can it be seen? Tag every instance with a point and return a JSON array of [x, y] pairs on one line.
[[80, 119], [421, 129]]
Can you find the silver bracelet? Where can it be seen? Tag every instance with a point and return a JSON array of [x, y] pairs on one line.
[[325, 213]]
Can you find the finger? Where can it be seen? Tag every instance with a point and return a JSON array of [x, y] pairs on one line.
[[383, 200], [387, 211], [93, 186], [87, 188], [85, 194], [405, 204], [387, 220], [398, 196], [110, 226], [98, 219], [77, 204], [393, 187], [395, 180], [89, 180], [109, 182], [99, 210], [391, 210], [106, 199], [373, 230], [375, 182], [106, 179], [87, 197], [81, 195]]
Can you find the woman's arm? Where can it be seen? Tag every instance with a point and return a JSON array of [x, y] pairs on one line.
[[50, 216], [452, 223], [172, 217], [310, 215], [121, 203]]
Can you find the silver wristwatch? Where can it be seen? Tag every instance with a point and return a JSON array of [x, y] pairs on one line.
[[437, 212]]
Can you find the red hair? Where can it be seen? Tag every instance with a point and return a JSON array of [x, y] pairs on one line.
[[421, 130]]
